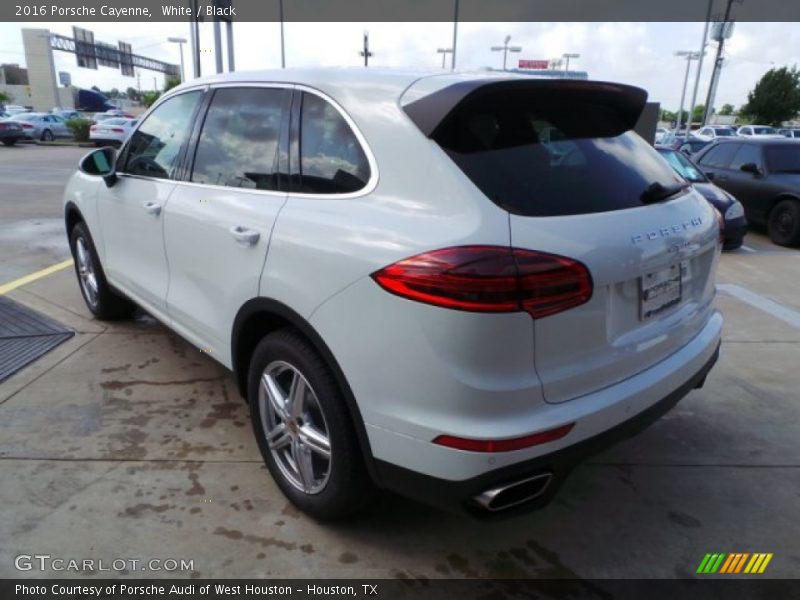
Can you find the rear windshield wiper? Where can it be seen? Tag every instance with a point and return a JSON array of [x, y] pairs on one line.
[[656, 191]]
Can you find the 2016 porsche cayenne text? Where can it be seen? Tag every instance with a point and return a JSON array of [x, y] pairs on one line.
[[453, 286]]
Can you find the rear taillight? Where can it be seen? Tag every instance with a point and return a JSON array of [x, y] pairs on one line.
[[27, 126], [93, 128], [720, 224], [117, 130], [490, 279]]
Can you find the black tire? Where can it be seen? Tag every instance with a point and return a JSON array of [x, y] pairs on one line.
[[9, 142], [106, 304], [347, 487], [783, 224], [47, 136]]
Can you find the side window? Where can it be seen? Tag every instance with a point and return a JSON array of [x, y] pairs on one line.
[[239, 142], [154, 147], [719, 156], [747, 153], [331, 159]]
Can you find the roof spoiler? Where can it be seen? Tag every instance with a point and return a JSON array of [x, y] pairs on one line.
[[606, 109]]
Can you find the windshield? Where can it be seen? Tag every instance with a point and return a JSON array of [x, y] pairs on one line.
[[538, 158], [683, 166], [763, 130], [783, 159]]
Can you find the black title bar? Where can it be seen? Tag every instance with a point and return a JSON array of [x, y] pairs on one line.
[[396, 10]]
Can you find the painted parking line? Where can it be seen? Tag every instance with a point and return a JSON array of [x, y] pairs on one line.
[[12, 285], [777, 310], [747, 248]]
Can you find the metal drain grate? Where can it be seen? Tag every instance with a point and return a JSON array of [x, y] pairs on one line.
[[25, 335]]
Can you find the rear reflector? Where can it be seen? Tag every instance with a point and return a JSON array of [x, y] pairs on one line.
[[490, 279], [117, 130], [504, 445]]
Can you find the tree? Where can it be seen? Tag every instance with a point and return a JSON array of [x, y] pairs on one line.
[[171, 82], [5, 97], [149, 97], [726, 110], [132, 93], [697, 113], [776, 97]]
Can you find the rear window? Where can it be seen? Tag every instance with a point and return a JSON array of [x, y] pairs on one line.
[[783, 159], [536, 158]]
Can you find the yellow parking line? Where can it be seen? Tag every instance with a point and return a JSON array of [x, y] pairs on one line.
[[12, 285]]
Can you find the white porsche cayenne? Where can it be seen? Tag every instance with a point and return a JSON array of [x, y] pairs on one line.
[[453, 286]]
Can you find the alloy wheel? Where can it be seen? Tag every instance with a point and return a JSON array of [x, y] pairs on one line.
[[295, 428], [88, 278]]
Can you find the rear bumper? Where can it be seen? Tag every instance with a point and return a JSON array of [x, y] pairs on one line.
[[459, 495]]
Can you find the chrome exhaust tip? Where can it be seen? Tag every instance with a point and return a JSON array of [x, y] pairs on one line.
[[513, 494]]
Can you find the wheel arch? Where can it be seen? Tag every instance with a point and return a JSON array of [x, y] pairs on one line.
[[72, 216], [260, 316], [780, 198]]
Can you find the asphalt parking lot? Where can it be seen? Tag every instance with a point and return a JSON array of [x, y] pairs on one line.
[[126, 441]]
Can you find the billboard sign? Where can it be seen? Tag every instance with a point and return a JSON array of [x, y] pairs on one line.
[[525, 63], [126, 59], [84, 48]]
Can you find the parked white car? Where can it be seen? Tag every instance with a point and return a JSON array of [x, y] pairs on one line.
[[111, 131], [661, 132], [758, 130], [413, 292], [712, 132]]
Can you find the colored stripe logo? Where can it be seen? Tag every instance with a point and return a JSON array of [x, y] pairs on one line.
[[734, 563]]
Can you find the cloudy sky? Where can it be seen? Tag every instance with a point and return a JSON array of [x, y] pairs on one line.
[[637, 53]]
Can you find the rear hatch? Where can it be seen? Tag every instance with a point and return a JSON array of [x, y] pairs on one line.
[[559, 156]]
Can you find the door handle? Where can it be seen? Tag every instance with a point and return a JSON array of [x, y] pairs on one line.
[[244, 236], [152, 208]]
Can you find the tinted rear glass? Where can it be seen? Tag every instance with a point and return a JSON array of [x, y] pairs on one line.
[[783, 159], [536, 159]]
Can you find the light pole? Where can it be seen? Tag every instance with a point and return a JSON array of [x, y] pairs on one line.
[[444, 52], [700, 67], [180, 41], [689, 56], [455, 37], [568, 55], [505, 48], [365, 52], [283, 47]]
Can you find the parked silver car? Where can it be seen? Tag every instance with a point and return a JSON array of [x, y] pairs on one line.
[[42, 126]]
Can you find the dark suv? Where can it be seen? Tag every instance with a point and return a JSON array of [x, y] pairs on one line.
[[764, 175]]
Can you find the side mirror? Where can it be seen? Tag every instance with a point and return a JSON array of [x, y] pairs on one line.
[[710, 175], [751, 168], [101, 163]]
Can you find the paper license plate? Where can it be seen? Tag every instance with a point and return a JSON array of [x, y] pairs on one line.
[[659, 291]]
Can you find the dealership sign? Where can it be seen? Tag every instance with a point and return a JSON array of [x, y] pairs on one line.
[[533, 64]]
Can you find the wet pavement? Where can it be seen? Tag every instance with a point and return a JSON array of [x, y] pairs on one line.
[[126, 441]]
